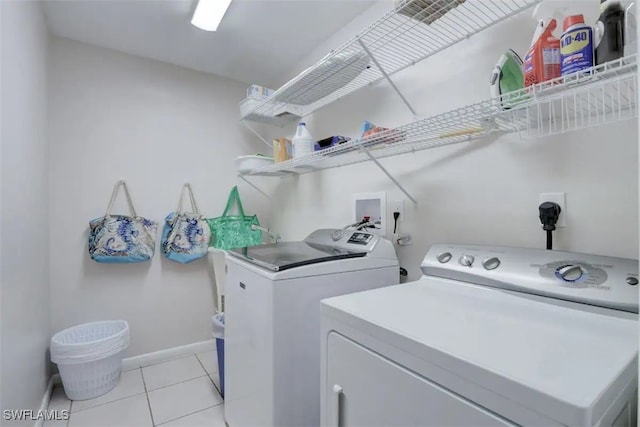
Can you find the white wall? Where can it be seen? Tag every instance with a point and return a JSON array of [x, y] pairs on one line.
[[157, 126], [485, 191], [24, 218]]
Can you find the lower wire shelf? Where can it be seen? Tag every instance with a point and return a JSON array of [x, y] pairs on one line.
[[598, 96]]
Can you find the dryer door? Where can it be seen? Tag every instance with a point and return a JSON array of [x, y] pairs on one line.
[[362, 390]]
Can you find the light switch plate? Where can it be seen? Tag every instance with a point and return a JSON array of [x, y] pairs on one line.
[[560, 199]]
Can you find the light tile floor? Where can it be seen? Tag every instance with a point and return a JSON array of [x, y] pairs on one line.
[[182, 392]]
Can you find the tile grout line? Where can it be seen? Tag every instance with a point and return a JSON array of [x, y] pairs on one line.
[[201, 364], [190, 413], [182, 356], [146, 393], [106, 403], [179, 382], [215, 386], [200, 410], [209, 375]]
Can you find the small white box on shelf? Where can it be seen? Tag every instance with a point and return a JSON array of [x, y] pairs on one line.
[[258, 92]]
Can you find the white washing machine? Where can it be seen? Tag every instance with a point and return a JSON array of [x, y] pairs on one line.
[[488, 336], [272, 320]]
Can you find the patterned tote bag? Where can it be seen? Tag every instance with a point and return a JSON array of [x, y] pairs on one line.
[[186, 235], [234, 231], [122, 238]]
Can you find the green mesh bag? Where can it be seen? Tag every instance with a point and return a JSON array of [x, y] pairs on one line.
[[234, 231]]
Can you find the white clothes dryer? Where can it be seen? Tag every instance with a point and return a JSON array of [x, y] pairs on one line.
[[488, 336]]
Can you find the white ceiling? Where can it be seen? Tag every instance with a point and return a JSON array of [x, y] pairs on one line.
[[258, 41]]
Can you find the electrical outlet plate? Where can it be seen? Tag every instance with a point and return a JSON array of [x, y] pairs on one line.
[[560, 199], [398, 206]]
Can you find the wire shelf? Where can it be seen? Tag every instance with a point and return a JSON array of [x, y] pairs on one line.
[[411, 32], [603, 94]]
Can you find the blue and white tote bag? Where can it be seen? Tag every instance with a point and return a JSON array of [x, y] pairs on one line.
[[186, 235], [122, 238]]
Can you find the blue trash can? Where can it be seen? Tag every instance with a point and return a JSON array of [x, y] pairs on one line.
[[220, 351], [218, 333]]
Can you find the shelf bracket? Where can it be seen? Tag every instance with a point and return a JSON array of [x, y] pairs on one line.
[[253, 131], [386, 172], [386, 76], [255, 187]]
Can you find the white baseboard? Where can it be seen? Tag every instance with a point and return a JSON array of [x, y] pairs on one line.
[[44, 405], [168, 354]]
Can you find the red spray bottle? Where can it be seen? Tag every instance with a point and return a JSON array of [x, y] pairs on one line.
[[542, 61]]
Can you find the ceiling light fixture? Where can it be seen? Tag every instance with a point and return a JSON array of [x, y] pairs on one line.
[[209, 13]]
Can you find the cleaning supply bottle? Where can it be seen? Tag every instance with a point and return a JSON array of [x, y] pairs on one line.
[[302, 141], [542, 61], [576, 45], [609, 32]]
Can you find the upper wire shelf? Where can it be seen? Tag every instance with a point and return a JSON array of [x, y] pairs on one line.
[[411, 32], [603, 94]]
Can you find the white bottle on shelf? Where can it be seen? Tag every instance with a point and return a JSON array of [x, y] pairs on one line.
[[303, 142]]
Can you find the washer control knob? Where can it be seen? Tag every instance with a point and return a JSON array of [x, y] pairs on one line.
[[570, 273], [491, 263], [466, 260], [444, 257], [632, 280]]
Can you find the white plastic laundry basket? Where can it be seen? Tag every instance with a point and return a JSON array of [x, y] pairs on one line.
[[89, 357]]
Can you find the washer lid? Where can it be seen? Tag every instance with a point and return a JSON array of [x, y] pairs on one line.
[[561, 361], [286, 255]]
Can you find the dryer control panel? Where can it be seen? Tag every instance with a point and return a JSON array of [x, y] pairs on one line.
[[591, 279]]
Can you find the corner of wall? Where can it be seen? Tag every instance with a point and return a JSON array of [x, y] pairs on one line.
[[23, 189]]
